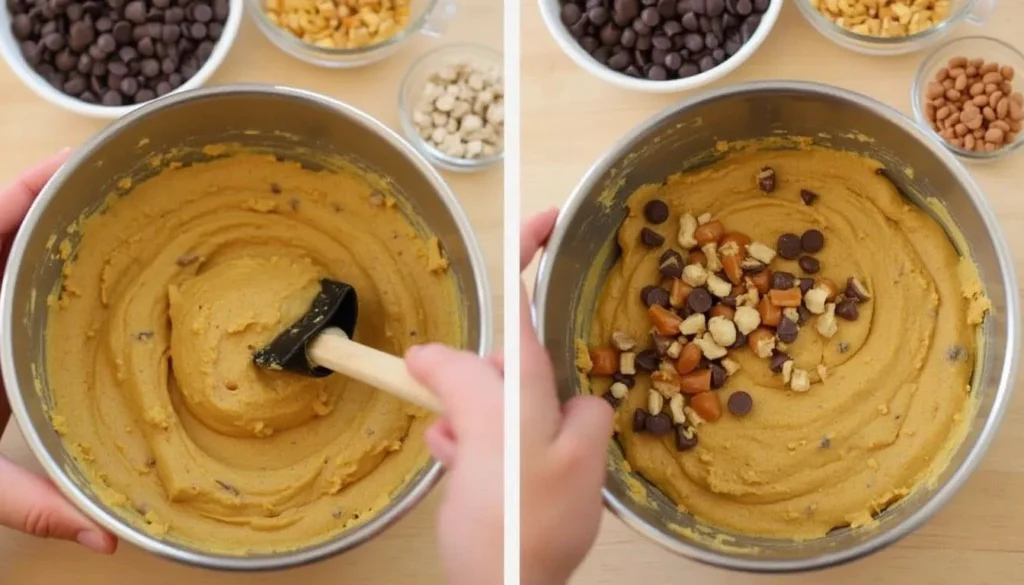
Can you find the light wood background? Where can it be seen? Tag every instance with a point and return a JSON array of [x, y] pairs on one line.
[[30, 129], [570, 118]]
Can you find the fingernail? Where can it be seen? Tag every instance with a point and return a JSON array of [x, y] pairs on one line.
[[92, 540]]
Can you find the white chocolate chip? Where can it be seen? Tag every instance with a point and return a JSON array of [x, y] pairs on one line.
[[622, 341], [695, 275], [619, 390], [722, 331], [709, 347], [718, 287], [761, 252], [695, 324], [815, 298], [747, 319], [687, 229]]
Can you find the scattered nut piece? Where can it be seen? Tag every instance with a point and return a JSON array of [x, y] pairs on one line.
[[703, 218], [627, 363], [761, 252], [687, 229], [787, 371], [622, 341], [695, 324], [655, 401], [692, 417], [800, 381], [665, 383], [711, 253], [822, 371], [747, 319], [675, 408], [762, 342], [731, 366], [722, 331], [827, 325], [674, 349]]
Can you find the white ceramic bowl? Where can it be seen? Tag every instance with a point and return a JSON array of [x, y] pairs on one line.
[[11, 52], [550, 10]]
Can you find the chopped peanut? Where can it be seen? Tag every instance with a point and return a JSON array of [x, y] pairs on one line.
[[762, 342], [687, 227], [722, 331], [666, 383], [695, 275], [711, 349], [693, 325], [711, 231], [747, 319]]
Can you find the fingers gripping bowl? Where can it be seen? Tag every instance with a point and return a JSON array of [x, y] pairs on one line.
[[695, 132], [217, 463]]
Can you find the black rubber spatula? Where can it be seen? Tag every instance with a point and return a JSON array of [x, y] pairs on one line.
[[320, 343]]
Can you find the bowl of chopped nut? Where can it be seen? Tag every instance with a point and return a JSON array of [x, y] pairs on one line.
[[348, 33], [452, 107], [804, 313], [891, 28]]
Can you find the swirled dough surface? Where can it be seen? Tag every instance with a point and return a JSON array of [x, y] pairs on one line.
[[895, 401], [150, 344]]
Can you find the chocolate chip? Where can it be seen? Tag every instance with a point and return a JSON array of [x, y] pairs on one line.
[[654, 295], [686, 438], [718, 375], [699, 300], [658, 424], [647, 360], [627, 380], [611, 399], [766, 179], [856, 290], [779, 358], [639, 420], [741, 341], [671, 264], [656, 211], [651, 238], [809, 264], [661, 343], [847, 309], [112, 98], [788, 246], [782, 280], [787, 330], [812, 241], [806, 284], [808, 197], [740, 403]]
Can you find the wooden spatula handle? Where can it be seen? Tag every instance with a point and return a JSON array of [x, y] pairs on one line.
[[333, 349]]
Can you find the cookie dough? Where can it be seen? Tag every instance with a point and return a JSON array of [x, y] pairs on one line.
[[890, 392], [150, 342]]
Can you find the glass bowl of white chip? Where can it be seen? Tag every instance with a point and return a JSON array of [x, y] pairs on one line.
[[451, 105]]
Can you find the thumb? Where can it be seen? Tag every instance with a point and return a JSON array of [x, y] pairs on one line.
[[32, 505], [586, 429], [469, 387]]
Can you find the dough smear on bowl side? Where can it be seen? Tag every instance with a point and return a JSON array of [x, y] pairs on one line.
[[149, 352], [788, 342]]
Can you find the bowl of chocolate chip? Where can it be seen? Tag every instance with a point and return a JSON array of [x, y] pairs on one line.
[[104, 59], [804, 313], [660, 46]]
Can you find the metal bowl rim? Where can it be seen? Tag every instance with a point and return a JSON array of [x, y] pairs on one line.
[[1008, 369], [124, 531]]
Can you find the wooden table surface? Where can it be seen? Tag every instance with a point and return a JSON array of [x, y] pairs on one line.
[[570, 118], [31, 129]]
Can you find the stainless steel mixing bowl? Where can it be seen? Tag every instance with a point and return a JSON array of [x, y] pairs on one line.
[[285, 121], [688, 132]]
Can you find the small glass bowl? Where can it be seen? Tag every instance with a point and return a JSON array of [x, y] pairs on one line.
[[411, 90], [428, 17], [976, 12], [971, 47]]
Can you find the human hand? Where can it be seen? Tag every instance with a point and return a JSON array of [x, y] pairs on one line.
[[29, 503], [564, 450], [468, 441]]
